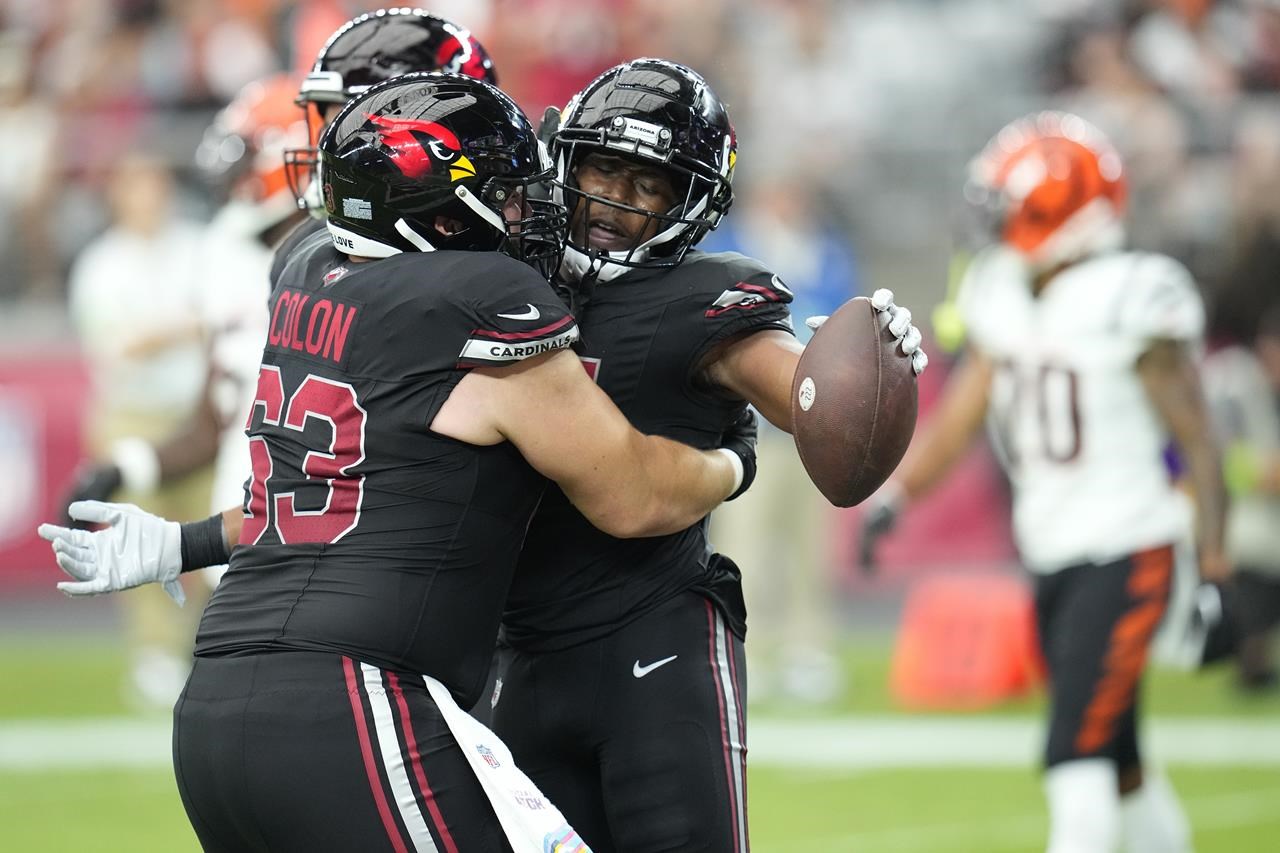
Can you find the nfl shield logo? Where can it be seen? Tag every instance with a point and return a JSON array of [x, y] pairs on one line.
[[488, 756]]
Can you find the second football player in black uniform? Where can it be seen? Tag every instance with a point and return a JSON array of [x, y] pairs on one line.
[[416, 392], [365, 51], [622, 680]]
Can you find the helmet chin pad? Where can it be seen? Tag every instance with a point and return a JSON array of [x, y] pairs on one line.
[[1093, 229], [602, 267], [661, 114]]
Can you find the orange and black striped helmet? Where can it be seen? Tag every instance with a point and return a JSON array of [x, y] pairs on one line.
[[242, 152], [1053, 186]]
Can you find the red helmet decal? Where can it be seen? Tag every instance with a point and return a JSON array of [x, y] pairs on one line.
[[415, 144], [461, 54]]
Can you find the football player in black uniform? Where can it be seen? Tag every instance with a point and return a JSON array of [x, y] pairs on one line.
[[621, 683], [367, 50], [416, 391]]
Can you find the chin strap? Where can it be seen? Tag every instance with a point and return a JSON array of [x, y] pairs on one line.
[[480, 209], [417, 240], [1093, 229]]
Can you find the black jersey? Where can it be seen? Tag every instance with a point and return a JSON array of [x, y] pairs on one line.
[[365, 533], [644, 338]]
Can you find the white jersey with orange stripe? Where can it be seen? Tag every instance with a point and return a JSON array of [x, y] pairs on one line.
[[1083, 445]]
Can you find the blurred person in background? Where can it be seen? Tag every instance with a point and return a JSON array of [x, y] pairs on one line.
[[806, 43], [1243, 385], [1262, 69], [242, 159], [1082, 358], [134, 301], [1248, 286], [28, 128], [1243, 382], [1194, 49], [780, 530], [1106, 88], [552, 48]]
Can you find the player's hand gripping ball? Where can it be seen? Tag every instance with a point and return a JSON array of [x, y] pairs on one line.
[[854, 397]]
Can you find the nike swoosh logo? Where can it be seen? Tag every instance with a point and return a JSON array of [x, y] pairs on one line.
[[779, 286], [641, 671], [531, 314]]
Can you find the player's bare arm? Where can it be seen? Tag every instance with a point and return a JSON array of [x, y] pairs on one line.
[[194, 444], [625, 483], [937, 446], [760, 367], [1172, 383], [140, 466]]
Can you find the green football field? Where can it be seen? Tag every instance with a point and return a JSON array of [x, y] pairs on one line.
[[830, 800]]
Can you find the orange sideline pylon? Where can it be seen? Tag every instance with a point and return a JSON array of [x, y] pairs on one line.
[[965, 642]]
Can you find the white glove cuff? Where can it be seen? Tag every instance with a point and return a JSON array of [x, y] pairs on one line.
[[169, 566], [138, 463], [738, 471]]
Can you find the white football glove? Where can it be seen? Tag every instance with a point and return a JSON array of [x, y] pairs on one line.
[[135, 548], [898, 319]]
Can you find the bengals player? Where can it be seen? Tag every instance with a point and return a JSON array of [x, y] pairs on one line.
[[1081, 357]]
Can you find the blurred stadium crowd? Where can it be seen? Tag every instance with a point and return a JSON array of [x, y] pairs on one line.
[[866, 109], [856, 119]]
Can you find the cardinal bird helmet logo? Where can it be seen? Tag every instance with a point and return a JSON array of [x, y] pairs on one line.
[[419, 148]]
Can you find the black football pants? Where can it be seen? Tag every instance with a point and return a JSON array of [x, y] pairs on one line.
[[639, 738], [301, 751], [1096, 622]]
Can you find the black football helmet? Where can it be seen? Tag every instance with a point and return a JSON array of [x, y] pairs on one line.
[[369, 50], [423, 146], [659, 112]]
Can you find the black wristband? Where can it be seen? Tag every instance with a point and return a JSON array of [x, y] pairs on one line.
[[740, 439], [748, 470], [203, 544]]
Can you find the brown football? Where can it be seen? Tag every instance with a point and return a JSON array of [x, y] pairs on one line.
[[853, 404]]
